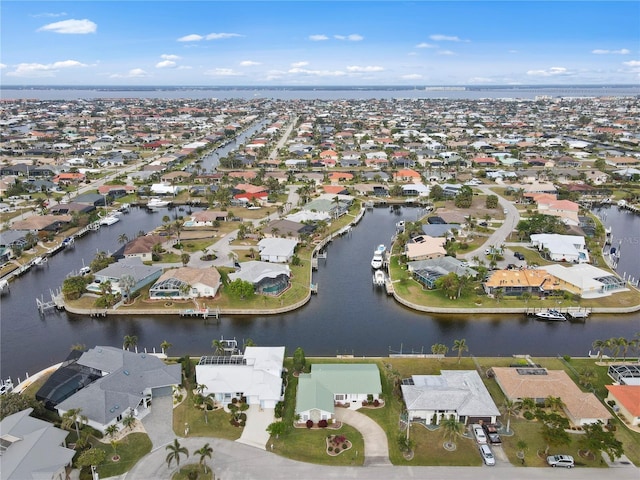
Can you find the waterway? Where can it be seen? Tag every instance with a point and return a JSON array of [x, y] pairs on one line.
[[348, 316]]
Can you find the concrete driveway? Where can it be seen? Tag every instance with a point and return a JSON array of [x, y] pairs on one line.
[[158, 423], [376, 447], [255, 431]]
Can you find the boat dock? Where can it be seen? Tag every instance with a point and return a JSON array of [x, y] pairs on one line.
[[573, 312]]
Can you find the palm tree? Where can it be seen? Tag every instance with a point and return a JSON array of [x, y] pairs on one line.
[[600, 345], [129, 421], [204, 452], [554, 403], [616, 344], [175, 450], [130, 341], [111, 430], [527, 404], [208, 401], [123, 238], [218, 346], [510, 408], [624, 345], [460, 346], [74, 417], [165, 346], [451, 428]]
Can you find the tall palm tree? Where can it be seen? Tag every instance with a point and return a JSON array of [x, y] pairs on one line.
[[123, 238], [130, 341], [74, 417], [218, 346], [204, 452], [451, 428], [175, 450], [510, 409], [165, 346], [111, 430], [600, 345], [615, 344], [129, 421], [460, 346], [208, 401]]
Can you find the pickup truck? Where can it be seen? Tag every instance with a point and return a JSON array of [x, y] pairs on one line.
[[492, 433]]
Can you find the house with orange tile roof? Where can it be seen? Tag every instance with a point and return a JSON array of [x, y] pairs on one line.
[[627, 401], [407, 175], [484, 161], [539, 383], [517, 282], [335, 177], [67, 178]]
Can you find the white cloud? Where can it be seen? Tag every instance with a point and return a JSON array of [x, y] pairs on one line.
[[632, 63], [2, 65], [249, 63], [369, 68], [299, 64], [170, 57], [43, 70], [222, 72], [194, 37], [354, 37], [49, 15], [550, 72], [71, 26], [411, 76], [133, 73], [481, 80], [425, 45], [316, 73], [446, 52], [513, 51], [600, 51], [220, 36], [166, 64], [444, 38], [318, 38]]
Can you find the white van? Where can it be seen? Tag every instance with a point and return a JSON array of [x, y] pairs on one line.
[[478, 432], [487, 455]]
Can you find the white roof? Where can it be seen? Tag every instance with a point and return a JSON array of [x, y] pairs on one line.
[[559, 244], [278, 247], [583, 275]]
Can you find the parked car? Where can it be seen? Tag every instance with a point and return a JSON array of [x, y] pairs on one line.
[[478, 432], [487, 455], [492, 433], [518, 255], [561, 461]]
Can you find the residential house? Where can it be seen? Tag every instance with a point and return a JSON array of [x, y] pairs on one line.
[[267, 278], [186, 282], [424, 247], [287, 228], [561, 248], [428, 271], [256, 375], [517, 282], [277, 250], [539, 383], [129, 383], [31, 448], [330, 384], [142, 247], [459, 393], [205, 218], [141, 275], [48, 223], [626, 400], [585, 280]]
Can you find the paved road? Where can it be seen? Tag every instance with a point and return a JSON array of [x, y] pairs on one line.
[[232, 461]]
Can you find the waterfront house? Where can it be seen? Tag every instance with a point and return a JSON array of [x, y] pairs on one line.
[[287, 228], [48, 223], [539, 383], [129, 383], [461, 393], [517, 282], [626, 402], [327, 385], [277, 250], [424, 247], [141, 275], [267, 278], [186, 282], [561, 248], [142, 247], [255, 375], [33, 449], [428, 271], [585, 280]]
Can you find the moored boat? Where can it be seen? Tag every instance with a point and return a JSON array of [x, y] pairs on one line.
[[378, 256], [552, 315], [110, 220]]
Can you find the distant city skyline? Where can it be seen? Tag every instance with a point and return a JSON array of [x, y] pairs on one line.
[[268, 43]]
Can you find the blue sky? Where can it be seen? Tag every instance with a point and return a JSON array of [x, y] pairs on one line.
[[319, 43]]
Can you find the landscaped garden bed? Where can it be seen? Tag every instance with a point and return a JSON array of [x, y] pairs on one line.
[[337, 444]]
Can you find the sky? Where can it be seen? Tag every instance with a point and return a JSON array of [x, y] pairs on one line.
[[324, 43]]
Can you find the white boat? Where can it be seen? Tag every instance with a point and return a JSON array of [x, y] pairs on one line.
[[551, 314], [378, 256], [125, 208], [110, 220], [4, 285], [379, 278], [68, 242], [37, 261], [400, 226], [157, 203], [6, 386]]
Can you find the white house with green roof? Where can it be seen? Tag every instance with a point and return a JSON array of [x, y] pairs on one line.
[[328, 384]]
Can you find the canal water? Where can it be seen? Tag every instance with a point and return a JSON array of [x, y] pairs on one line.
[[348, 316]]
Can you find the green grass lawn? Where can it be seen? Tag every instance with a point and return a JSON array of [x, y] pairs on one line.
[[216, 425], [429, 450], [130, 449], [183, 473]]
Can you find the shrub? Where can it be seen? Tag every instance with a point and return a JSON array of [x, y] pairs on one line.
[[243, 417], [279, 409], [322, 424], [376, 403], [370, 397], [309, 423], [612, 403], [344, 446], [337, 451], [364, 403], [234, 400], [330, 448], [528, 415], [566, 358]]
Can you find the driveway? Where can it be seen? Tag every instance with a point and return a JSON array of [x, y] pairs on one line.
[[158, 423], [376, 448], [255, 431]]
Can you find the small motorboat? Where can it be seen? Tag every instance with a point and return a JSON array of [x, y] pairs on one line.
[[156, 202], [552, 315], [379, 278], [378, 256], [110, 220]]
